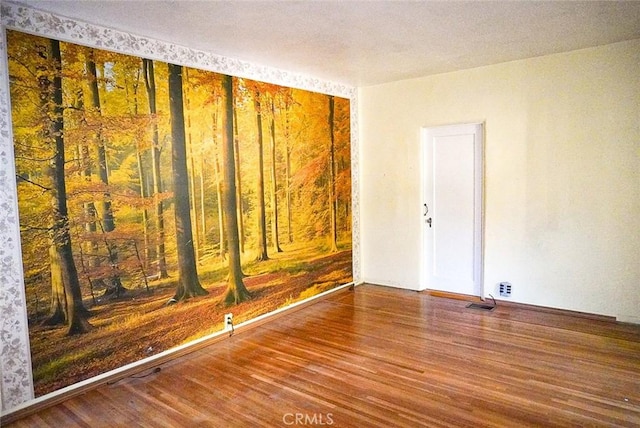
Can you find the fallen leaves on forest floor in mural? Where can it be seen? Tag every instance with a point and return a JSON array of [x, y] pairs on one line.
[[140, 324]]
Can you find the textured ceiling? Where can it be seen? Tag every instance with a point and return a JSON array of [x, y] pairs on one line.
[[363, 43]]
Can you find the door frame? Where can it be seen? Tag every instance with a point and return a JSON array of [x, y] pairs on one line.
[[479, 191]]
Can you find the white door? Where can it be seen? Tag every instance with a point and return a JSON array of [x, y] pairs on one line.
[[452, 208]]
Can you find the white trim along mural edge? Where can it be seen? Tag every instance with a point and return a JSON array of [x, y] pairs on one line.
[[15, 359]]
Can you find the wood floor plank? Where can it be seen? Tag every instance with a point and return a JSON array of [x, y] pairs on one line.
[[378, 356]]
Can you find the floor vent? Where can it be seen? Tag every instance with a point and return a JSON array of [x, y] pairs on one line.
[[481, 306]]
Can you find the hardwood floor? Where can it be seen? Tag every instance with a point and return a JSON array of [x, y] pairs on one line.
[[378, 357]]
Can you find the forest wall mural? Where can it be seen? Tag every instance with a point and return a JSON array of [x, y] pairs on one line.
[[154, 198]]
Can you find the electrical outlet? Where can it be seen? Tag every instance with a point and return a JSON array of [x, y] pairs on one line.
[[228, 321]]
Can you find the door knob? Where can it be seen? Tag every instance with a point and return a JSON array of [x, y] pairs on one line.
[[429, 221]]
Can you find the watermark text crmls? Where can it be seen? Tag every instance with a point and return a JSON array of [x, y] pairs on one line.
[[313, 419]]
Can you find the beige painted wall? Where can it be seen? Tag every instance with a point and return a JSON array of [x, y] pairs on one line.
[[562, 179]]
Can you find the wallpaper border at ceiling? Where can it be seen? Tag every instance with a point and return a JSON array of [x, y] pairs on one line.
[[15, 358]]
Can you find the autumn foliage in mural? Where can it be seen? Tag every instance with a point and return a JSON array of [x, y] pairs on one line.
[[154, 198]]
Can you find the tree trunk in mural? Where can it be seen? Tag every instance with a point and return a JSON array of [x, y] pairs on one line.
[[274, 183], [114, 286], [150, 84], [236, 149], [188, 282], [287, 173], [63, 267], [85, 168], [194, 204], [143, 178], [236, 290], [221, 228], [57, 308], [144, 194], [203, 217], [332, 179], [191, 169], [262, 221], [222, 243]]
